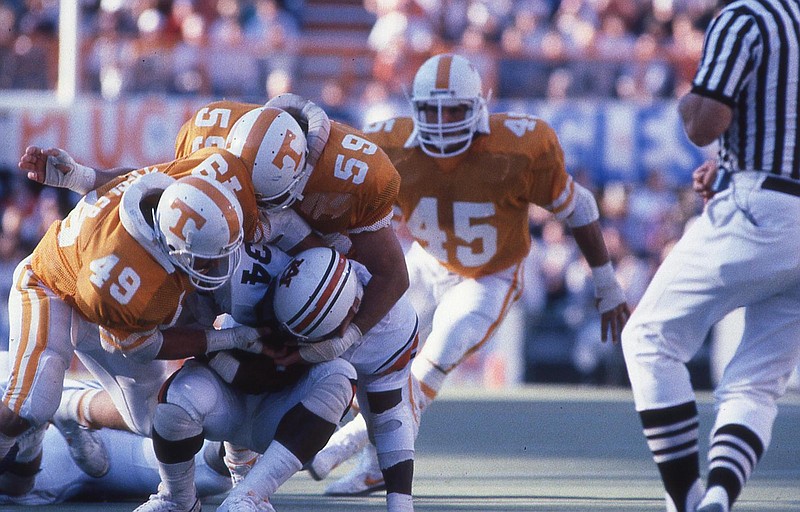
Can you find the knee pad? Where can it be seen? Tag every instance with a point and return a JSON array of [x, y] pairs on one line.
[[333, 391], [177, 437], [173, 423], [392, 434]]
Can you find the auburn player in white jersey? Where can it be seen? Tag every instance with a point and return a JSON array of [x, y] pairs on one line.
[[311, 296], [102, 284], [347, 188], [133, 474], [468, 179]]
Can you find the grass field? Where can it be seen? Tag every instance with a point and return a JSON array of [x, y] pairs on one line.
[[543, 449]]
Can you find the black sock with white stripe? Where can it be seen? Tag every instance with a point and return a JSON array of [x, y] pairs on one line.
[[672, 438], [735, 450]]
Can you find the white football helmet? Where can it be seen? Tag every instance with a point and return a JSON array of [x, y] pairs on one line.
[[199, 225], [271, 142], [314, 293], [447, 80]]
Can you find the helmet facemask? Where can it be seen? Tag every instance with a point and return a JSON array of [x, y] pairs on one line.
[[206, 271], [443, 82], [439, 138]]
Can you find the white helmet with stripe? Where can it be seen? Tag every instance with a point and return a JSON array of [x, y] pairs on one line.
[[199, 225], [273, 145], [448, 80], [315, 293]]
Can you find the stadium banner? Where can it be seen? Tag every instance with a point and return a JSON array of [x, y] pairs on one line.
[[610, 140]]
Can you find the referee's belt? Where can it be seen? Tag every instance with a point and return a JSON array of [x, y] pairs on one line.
[[775, 183], [781, 185]]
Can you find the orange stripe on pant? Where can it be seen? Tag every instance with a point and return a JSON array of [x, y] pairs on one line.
[[33, 298]]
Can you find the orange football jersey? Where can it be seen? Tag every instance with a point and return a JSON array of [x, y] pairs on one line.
[[209, 126], [352, 188], [222, 166], [471, 211], [92, 262]]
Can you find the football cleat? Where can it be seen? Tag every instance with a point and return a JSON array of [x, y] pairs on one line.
[[715, 500], [693, 498], [711, 507], [342, 446], [245, 503], [18, 476], [85, 447], [162, 503], [362, 480]]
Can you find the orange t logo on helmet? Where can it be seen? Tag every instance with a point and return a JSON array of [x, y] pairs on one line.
[[286, 150], [187, 213]]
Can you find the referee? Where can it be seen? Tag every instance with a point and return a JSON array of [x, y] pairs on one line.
[[744, 250]]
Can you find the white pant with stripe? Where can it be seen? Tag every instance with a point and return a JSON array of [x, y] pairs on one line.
[[743, 251], [45, 332]]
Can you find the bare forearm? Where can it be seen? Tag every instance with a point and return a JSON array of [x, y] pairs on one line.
[[380, 295], [103, 176], [704, 119], [591, 243], [180, 343], [381, 253]]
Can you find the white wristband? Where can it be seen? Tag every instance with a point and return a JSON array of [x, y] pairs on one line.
[[242, 337], [77, 177], [331, 348], [225, 365], [606, 288]]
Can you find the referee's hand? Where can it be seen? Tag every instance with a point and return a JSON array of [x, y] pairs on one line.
[[703, 179]]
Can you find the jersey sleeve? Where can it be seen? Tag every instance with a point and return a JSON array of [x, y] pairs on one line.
[[549, 184], [729, 58]]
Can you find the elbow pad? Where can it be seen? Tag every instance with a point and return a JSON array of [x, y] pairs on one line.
[[585, 210]]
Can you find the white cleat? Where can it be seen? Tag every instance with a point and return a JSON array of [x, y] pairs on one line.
[[344, 444], [85, 447], [245, 503], [162, 503], [692, 498], [362, 480]]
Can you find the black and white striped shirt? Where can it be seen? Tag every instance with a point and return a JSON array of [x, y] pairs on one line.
[[751, 62]]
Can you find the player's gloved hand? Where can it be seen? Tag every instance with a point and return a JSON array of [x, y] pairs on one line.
[[55, 167], [241, 337], [330, 348], [610, 302]]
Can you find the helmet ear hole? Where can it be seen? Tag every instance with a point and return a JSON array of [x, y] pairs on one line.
[[315, 293]]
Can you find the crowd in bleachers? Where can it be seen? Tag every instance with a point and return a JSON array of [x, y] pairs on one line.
[[250, 49], [524, 48]]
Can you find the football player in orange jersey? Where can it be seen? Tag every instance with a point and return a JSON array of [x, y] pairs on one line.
[[103, 284], [468, 179]]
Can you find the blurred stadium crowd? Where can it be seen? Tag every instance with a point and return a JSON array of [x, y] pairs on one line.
[[352, 55]]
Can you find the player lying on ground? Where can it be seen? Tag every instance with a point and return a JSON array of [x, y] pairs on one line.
[[132, 473]]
